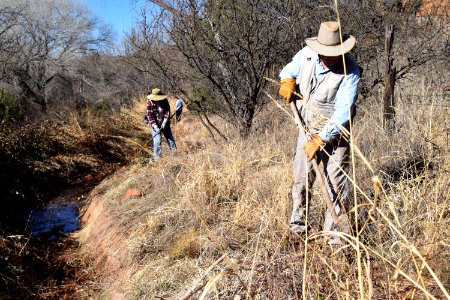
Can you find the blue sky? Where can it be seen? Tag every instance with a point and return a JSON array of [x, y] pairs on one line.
[[120, 14]]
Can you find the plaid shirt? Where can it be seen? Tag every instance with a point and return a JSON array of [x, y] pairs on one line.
[[156, 114]]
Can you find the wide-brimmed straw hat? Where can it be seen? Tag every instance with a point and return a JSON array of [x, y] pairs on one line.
[[328, 41], [156, 95]]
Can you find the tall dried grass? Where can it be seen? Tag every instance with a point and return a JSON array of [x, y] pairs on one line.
[[212, 223]]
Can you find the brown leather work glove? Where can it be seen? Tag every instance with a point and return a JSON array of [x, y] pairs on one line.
[[312, 146], [287, 86]]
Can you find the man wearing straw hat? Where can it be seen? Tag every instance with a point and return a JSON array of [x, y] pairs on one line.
[[158, 112], [327, 79]]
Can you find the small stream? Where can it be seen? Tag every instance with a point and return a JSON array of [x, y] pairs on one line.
[[54, 221], [33, 260]]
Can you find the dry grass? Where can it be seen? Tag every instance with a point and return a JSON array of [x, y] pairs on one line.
[[226, 206]]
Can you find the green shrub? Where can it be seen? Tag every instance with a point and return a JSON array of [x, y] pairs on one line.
[[9, 109], [201, 100]]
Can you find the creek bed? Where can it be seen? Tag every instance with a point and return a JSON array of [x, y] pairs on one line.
[[54, 221]]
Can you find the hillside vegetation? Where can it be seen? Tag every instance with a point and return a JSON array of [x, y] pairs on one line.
[[212, 222]]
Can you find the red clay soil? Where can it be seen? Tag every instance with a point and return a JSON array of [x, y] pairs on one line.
[[110, 252]]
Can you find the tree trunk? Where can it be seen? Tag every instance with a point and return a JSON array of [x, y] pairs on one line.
[[389, 82]]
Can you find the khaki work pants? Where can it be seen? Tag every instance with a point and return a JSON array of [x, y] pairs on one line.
[[335, 164]]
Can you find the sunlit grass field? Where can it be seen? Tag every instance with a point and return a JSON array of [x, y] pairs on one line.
[[213, 219]]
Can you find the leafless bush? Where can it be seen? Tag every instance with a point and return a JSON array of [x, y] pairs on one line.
[[229, 46], [48, 39]]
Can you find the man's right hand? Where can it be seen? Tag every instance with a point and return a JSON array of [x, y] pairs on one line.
[[287, 86]]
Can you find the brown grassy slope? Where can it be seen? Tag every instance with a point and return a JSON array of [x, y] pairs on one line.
[[212, 221]]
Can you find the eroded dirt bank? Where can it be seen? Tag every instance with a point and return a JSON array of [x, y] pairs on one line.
[[43, 265], [107, 247], [48, 163]]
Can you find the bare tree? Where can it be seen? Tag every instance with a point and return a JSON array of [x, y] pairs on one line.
[[49, 37], [9, 18], [389, 81], [230, 44], [106, 81], [420, 37]]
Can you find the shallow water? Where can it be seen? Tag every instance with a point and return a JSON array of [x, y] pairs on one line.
[[54, 221]]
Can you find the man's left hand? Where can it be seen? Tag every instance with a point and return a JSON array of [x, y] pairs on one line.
[[312, 146]]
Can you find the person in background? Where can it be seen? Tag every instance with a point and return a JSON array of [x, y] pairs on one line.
[[327, 79], [158, 116], [178, 109]]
